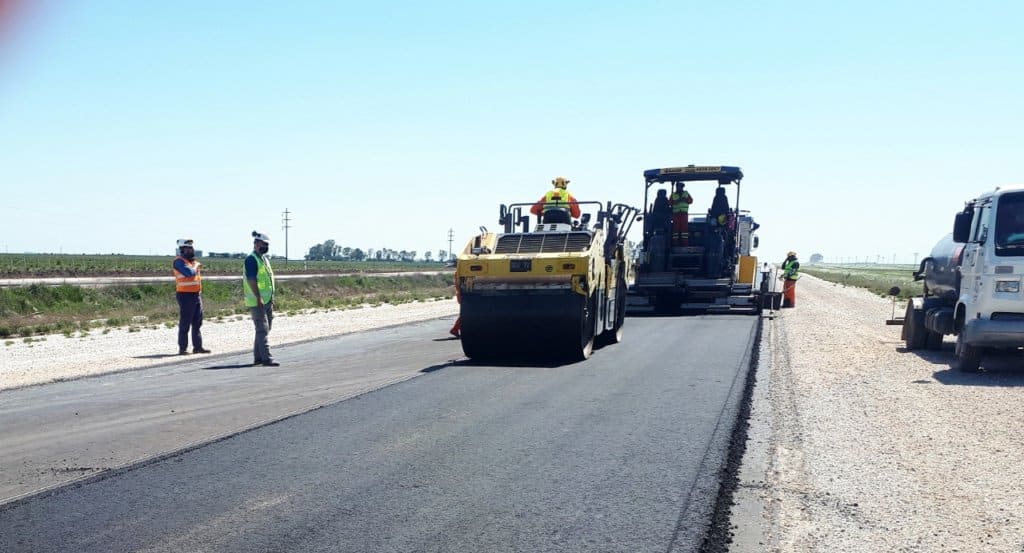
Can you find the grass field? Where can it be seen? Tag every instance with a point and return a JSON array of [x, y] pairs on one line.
[[876, 278], [31, 310], [69, 265]]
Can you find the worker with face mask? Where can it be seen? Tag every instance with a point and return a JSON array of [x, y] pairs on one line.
[[188, 283], [258, 285]]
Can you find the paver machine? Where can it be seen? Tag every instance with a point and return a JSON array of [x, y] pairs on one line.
[[714, 271], [545, 289]]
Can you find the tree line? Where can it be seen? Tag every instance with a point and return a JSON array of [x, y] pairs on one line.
[[329, 250]]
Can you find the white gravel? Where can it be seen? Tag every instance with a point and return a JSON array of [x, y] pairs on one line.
[[58, 357], [869, 447]]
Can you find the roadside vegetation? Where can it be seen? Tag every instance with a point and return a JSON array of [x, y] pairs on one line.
[[879, 279], [71, 265], [27, 311]]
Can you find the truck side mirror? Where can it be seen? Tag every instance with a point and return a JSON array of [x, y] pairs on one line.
[[962, 227], [756, 242]]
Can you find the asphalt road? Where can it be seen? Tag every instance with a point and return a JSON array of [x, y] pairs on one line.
[[618, 453]]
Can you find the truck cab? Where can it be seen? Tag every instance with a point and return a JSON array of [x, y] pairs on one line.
[[989, 310]]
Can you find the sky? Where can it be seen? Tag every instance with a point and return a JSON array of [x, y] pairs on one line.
[[861, 127]]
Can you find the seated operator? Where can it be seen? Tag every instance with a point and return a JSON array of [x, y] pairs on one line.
[[557, 200]]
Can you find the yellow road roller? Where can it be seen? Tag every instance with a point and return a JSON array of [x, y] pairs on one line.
[[545, 289]]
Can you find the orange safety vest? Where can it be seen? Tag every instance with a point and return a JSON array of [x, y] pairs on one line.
[[192, 284]]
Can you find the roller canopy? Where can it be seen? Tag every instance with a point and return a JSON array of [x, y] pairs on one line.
[[720, 173]]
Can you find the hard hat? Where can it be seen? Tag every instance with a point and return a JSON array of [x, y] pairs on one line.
[[260, 236], [185, 243], [791, 254], [560, 182]]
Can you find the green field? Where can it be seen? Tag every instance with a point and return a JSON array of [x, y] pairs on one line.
[[876, 278], [37, 309], [71, 265]]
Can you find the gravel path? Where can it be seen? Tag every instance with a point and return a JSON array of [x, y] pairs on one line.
[[869, 447], [57, 357]]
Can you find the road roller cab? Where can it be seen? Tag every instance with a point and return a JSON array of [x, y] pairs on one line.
[[547, 287]]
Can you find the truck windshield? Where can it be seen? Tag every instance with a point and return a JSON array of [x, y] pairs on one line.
[[1010, 224]]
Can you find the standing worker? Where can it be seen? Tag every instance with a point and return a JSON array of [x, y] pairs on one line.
[[259, 297], [790, 274], [680, 201], [558, 198], [188, 284]]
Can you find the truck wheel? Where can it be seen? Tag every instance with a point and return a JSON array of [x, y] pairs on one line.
[[933, 340], [914, 332], [968, 358]]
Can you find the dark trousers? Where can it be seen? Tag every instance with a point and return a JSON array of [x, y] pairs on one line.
[[190, 310], [263, 318]]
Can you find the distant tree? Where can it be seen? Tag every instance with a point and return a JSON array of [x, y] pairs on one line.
[[316, 252], [358, 255], [346, 252], [442, 255], [330, 248], [817, 258], [411, 255], [380, 254], [427, 256]]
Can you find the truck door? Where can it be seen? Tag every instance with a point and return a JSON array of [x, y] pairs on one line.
[[974, 252]]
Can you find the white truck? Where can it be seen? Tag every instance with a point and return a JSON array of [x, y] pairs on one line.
[[972, 282]]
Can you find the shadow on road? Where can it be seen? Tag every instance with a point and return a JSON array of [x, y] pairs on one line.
[[1004, 369], [222, 367], [159, 356]]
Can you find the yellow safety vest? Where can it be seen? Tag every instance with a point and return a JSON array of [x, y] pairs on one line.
[[556, 199], [681, 203], [264, 279]]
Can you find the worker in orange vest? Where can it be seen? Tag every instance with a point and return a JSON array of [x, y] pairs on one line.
[[188, 282], [557, 198], [456, 330]]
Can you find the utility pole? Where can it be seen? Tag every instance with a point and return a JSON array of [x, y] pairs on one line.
[[285, 226], [451, 236]]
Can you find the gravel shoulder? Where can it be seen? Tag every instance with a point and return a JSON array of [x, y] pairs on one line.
[[57, 357], [856, 444]]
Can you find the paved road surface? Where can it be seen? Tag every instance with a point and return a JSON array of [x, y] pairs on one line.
[[619, 453]]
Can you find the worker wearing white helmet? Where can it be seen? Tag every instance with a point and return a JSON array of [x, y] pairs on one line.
[[558, 198], [188, 283], [258, 285]]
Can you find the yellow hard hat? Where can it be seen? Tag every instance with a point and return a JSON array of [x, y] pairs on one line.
[[560, 182], [791, 254]]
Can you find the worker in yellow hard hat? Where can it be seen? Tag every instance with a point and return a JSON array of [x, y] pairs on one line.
[[557, 198], [680, 201]]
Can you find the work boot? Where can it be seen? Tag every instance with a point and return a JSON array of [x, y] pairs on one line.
[[270, 364], [183, 352], [201, 350]]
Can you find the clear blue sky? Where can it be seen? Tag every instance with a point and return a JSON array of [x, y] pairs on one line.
[[861, 127]]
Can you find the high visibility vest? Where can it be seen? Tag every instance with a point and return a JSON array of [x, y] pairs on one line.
[[192, 284], [791, 270], [264, 279], [681, 202], [556, 199]]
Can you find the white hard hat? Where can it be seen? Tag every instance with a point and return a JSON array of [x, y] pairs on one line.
[[185, 242], [260, 236]]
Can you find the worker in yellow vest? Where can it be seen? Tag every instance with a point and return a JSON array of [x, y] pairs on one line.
[[188, 286], [557, 198], [790, 274], [258, 285], [680, 200]]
